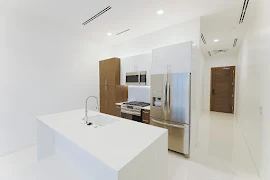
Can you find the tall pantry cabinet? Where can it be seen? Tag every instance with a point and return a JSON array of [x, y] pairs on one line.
[[109, 76]]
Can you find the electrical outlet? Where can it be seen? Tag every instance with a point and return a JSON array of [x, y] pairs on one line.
[[261, 110]]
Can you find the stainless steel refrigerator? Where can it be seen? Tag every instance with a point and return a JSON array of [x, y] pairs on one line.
[[170, 108]]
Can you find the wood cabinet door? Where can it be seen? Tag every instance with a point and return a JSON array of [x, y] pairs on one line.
[[103, 99], [102, 73], [117, 111], [113, 71], [146, 116], [111, 92]]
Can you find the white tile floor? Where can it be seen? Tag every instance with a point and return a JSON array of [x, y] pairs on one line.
[[221, 154]]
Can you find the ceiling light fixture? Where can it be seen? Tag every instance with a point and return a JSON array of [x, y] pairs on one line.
[[159, 12], [109, 34], [216, 40]]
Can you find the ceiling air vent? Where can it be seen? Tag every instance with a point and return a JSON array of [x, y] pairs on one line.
[[97, 15], [220, 51], [209, 53], [244, 10], [235, 42], [123, 32], [203, 39]]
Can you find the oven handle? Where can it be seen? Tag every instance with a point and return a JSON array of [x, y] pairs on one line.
[[129, 112], [166, 124]]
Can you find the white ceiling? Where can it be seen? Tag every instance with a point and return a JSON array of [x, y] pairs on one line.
[[225, 27], [138, 15]]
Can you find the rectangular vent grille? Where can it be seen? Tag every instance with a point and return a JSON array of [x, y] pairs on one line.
[[244, 10], [209, 53], [203, 39], [123, 32], [235, 42], [97, 15]]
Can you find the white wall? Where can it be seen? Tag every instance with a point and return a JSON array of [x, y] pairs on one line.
[[215, 61], [197, 93], [43, 69], [253, 87], [187, 31]]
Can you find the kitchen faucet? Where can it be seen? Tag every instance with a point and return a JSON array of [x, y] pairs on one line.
[[86, 107]]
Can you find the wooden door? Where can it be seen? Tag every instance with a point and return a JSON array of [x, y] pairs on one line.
[[222, 89], [103, 99]]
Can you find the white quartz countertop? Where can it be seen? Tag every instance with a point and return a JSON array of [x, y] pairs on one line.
[[119, 104], [146, 108], [115, 144]]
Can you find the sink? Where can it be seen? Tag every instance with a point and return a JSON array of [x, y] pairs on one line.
[[101, 121]]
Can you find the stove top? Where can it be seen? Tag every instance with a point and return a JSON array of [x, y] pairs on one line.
[[136, 103]]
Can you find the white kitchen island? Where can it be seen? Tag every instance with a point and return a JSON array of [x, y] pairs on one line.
[[116, 149]]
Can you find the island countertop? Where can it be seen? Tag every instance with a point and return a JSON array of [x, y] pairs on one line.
[[115, 144]]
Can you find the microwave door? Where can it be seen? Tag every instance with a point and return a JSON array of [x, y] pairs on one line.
[[132, 78]]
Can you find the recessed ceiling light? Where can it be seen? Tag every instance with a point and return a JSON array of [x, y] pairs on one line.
[[216, 40], [159, 12], [109, 34]]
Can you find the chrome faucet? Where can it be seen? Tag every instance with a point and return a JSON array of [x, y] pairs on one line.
[[86, 107]]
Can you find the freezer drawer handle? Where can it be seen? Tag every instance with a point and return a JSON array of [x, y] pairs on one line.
[[166, 124]]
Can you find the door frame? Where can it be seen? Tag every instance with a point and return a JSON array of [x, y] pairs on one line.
[[233, 88]]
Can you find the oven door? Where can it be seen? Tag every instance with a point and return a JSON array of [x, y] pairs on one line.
[[133, 78], [178, 135], [131, 117]]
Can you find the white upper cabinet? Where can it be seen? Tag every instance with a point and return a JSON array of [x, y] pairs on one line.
[[135, 64], [177, 57]]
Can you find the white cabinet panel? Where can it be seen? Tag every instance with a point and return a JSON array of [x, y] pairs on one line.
[[136, 63], [178, 56]]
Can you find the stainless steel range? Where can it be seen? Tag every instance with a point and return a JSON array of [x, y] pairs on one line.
[[133, 110]]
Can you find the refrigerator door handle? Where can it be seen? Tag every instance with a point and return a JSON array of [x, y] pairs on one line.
[[166, 124], [165, 95], [168, 97]]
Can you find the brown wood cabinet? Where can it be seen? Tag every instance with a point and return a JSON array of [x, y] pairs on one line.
[[109, 76], [118, 110], [146, 116], [109, 72]]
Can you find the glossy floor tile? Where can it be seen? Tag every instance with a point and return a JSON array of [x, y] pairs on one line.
[[222, 146], [221, 154]]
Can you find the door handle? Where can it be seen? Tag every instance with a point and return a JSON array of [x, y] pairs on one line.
[[164, 106], [168, 97], [213, 91], [166, 124]]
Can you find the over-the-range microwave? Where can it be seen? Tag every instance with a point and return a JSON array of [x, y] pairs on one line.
[[136, 78]]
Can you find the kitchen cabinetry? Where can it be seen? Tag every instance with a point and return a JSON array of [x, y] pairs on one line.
[[110, 90], [109, 72], [109, 76], [118, 110], [177, 57], [134, 64], [146, 116]]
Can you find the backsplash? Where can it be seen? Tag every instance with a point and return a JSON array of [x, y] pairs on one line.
[[139, 93]]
